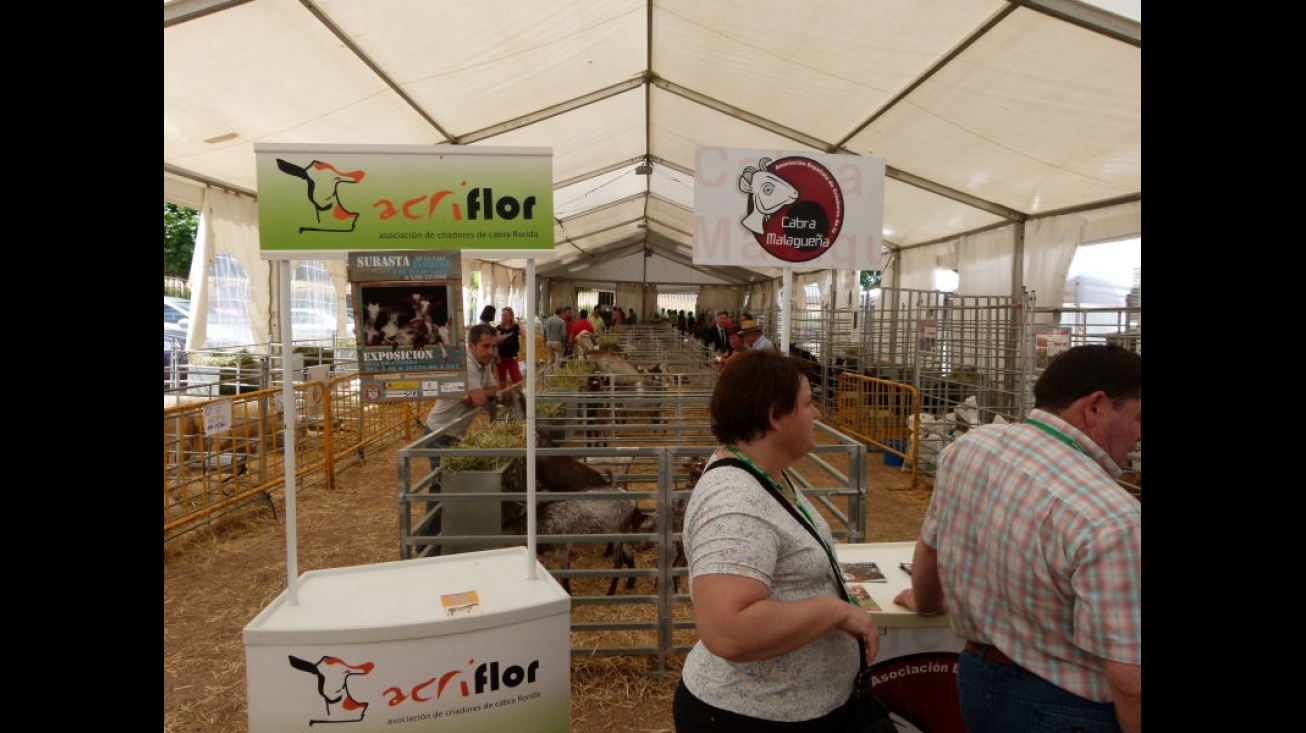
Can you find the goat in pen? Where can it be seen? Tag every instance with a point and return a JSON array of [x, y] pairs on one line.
[[580, 516]]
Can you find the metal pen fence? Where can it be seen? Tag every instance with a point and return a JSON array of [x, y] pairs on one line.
[[971, 360], [224, 438], [648, 463], [642, 427]]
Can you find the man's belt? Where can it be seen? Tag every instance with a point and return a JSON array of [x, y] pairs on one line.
[[988, 652]]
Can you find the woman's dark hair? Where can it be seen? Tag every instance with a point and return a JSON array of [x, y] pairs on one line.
[[753, 386], [487, 313], [1086, 369]]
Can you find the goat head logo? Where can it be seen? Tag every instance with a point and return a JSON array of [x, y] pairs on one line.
[[795, 207], [769, 193], [333, 676], [322, 182]]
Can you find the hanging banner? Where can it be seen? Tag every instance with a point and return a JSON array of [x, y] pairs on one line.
[[768, 208], [410, 341], [316, 200]]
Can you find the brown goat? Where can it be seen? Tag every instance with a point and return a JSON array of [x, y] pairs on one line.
[[564, 473], [580, 516]]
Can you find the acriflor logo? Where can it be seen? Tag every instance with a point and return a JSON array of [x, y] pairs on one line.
[[323, 181], [795, 209], [340, 706], [322, 186]]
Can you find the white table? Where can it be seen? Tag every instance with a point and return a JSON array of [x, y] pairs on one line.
[[916, 667], [459, 643]]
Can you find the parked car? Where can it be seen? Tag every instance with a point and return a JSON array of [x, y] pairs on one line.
[[310, 324], [176, 313]]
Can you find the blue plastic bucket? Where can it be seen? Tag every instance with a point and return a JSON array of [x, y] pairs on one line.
[[893, 459]]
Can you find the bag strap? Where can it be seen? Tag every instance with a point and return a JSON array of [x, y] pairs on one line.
[[864, 672]]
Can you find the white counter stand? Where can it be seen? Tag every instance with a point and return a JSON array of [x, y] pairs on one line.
[[916, 668], [403, 646]]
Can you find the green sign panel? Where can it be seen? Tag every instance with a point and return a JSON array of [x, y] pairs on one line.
[[318, 199]]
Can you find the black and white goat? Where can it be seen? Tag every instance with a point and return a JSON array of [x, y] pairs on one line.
[[408, 325]]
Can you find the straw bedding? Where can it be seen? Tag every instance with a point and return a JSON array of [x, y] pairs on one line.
[[215, 580]]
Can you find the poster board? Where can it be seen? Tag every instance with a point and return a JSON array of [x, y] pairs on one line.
[[411, 344]]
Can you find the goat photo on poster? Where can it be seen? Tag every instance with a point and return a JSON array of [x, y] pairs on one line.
[[409, 316]]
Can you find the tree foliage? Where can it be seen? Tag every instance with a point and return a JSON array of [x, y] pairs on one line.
[[180, 226]]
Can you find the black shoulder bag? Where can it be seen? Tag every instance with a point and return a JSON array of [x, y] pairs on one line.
[[871, 714]]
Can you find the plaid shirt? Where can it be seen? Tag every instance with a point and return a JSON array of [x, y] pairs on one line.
[[1040, 551], [555, 329]]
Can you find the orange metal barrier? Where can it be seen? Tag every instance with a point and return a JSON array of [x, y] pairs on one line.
[[881, 413], [207, 476]]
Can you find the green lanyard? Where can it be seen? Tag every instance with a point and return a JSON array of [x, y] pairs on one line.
[[809, 525], [777, 486], [864, 670], [1057, 434]]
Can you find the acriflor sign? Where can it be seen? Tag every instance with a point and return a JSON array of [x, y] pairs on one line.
[[317, 199]]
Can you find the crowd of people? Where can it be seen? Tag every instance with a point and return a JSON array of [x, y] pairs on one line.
[[725, 335]]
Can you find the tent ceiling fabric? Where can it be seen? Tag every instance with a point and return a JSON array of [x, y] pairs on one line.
[[985, 111]]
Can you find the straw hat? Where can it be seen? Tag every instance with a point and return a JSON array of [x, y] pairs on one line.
[[747, 326]]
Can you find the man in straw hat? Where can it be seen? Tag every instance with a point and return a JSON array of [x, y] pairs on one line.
[[751, 333]]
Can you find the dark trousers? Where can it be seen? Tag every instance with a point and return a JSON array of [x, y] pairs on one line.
[[996, 698], [692, 715]]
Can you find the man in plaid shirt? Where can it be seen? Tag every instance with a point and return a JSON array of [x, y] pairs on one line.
[[1038, 553], [555, 334]]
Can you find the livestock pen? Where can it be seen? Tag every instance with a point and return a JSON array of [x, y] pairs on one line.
[[642, 428], [224, 441], [929, 365], [909, 371]]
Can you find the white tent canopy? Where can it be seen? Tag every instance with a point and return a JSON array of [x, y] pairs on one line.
[[1011, 130]]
